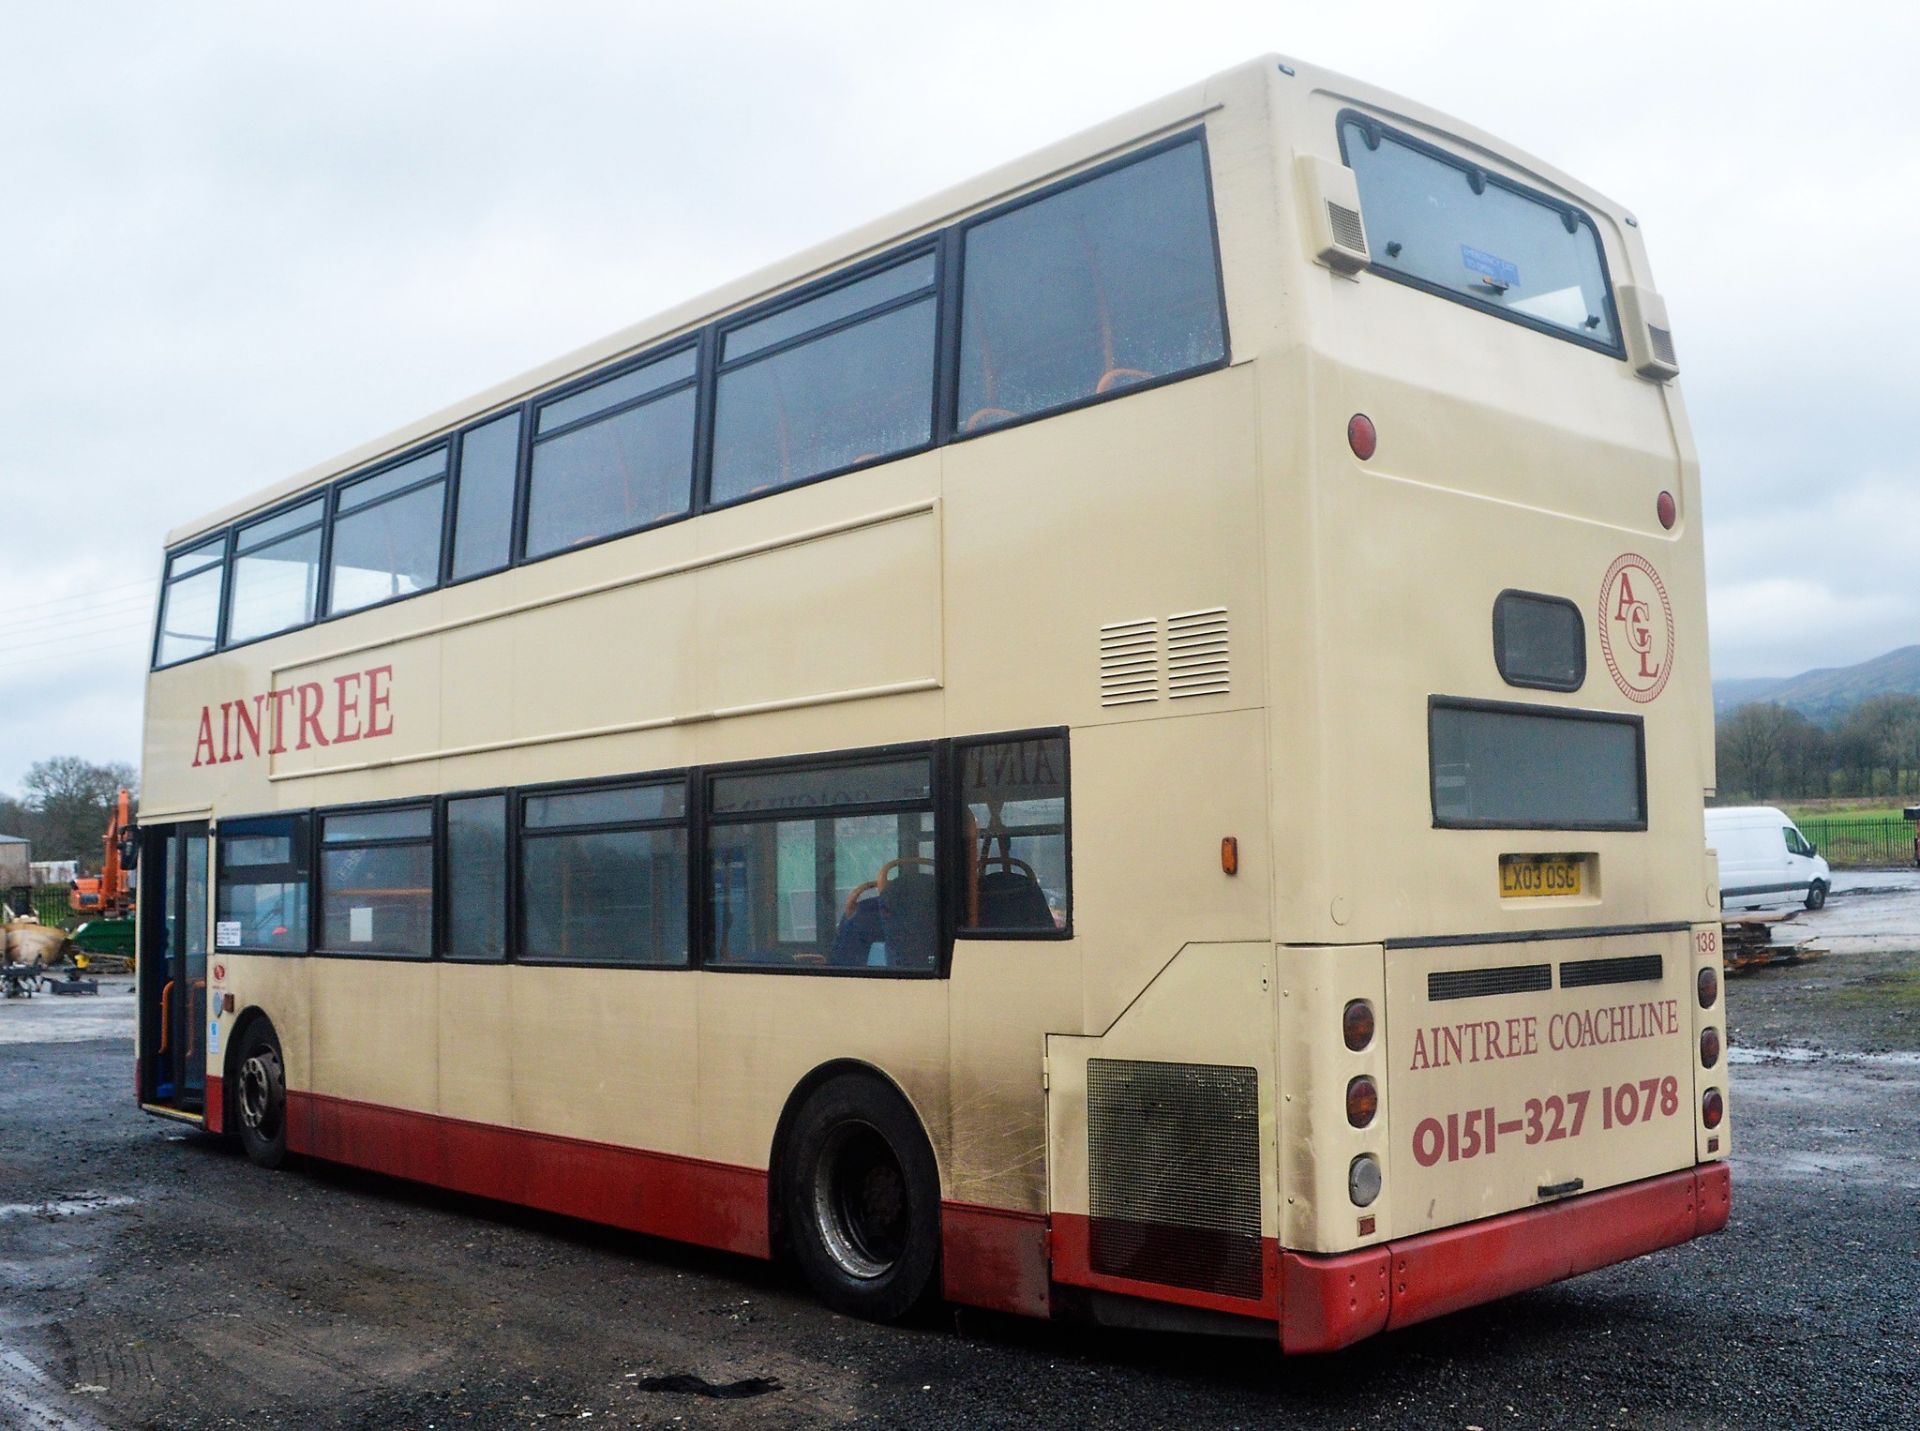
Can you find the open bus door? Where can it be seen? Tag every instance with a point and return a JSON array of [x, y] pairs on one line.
[[172, 970]]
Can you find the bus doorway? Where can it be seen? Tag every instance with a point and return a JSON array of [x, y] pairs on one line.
[[173, 967]]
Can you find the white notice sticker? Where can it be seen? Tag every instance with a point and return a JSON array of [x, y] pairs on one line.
[[360, 924], [226, 934]]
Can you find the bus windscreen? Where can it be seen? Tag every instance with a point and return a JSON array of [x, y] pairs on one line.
[[1453, 228]]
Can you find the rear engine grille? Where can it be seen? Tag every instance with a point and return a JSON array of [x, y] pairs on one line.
[[1129, 662], [1173, 1157], [1630, 969], [1197, 653], [1476, 983]]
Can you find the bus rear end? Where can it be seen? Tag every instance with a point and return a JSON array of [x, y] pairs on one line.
[[1500, 1023]]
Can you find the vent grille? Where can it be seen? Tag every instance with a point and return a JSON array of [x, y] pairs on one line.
[[1478, 983], [1173, 1160], [1197, 653], [1129, 662], [1346, 227], [1661, 341], [1631, 969]]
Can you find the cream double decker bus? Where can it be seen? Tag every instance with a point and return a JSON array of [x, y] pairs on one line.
[[1128, 741]]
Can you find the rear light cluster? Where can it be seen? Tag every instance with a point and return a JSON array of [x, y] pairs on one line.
[[1363, 1106], [1709, 1047], [1709, 988], [1712, 1108]]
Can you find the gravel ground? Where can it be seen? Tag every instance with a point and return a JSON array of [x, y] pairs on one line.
[[150, 1277]]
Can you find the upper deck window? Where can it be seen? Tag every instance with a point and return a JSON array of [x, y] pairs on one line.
[[1445, 224], [612, 458], [386, 534], [483, 519], [190, 602], [276, 573], [830, 383], [1090, 290]]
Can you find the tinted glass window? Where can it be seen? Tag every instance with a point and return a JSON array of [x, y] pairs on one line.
[[1539, 641], [606, 896], [260, 896], [653, 378], [795, 884], [849, 395], [409, 824], [483, 523], [388, 549], [394, 479], [1106, 284], [377, 898], [1452, 226], [276, 578], [621, 805], [822, 787], [190, 604], [617, 474], [477, 878], [1013, 804], [1515, 769]]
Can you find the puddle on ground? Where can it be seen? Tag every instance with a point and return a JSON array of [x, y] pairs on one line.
[[67, 1205], [1899, 1058]]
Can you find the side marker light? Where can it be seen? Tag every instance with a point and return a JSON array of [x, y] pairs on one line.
[[1665, 509], [1361, 437], [1229, 855]]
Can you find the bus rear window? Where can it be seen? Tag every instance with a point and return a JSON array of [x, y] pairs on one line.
[[1446, 225], [1508, 767]]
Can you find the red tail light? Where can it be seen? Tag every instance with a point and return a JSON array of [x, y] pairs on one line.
[[1712, 1108], [1709, 1047], [1363, 1101], [1356, 1025], [1360, 436], [1709, 988], [1665, 509]]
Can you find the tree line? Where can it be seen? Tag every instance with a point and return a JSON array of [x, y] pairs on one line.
[[64, 807], [1767, 751]]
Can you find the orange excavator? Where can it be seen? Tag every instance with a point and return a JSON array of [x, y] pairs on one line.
[[108, 900]]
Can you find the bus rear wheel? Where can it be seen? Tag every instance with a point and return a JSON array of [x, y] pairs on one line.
[[862, 1200], [260, 1097]]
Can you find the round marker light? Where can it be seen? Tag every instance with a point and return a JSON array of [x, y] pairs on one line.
[[1361, 437], [1712, 1108], [1363, 1101], [1363, 1180], [1709, 1047], [1709, 988], [1356, 1024], [1663, 506]]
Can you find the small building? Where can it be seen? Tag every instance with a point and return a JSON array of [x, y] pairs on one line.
[[16, 861], [55, 871]]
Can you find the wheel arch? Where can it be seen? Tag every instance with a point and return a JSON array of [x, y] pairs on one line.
[[783, 1131]]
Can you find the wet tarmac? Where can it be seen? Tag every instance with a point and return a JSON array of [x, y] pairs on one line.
[[151, 1277]]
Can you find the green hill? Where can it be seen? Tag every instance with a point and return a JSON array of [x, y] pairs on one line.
[[1829, 692]]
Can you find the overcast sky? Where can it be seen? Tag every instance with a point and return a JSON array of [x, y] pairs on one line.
[[238, 239]]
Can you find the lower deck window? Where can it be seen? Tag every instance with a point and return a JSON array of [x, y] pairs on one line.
[[604, 875], [825, 867], [376, 882], [1507, 767], [260, 897]]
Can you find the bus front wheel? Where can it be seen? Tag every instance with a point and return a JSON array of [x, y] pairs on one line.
[[260, 1097], [1816, 895], [862, 1200]]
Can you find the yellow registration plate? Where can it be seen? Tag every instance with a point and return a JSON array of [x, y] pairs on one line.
[[1540, 876]]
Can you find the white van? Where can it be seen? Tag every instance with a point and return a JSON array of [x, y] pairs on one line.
[[1764, 860]]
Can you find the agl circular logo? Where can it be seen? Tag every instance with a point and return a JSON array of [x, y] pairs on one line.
[[1636, 627]]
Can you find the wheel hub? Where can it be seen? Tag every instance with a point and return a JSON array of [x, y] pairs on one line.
[[860, 1202]]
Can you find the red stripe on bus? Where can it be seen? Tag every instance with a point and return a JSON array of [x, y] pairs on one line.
[[995, 1258], [663, 1195], [1332, 1302]]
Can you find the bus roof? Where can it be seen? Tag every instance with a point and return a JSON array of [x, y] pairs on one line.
[[1031, 171]]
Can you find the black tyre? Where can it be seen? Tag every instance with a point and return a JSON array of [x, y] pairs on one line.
[[260, 1097], [861, 1198], [1816, 894]]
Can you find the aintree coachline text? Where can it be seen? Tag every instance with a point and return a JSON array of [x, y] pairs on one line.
[[1444, 1045], [346, 708]]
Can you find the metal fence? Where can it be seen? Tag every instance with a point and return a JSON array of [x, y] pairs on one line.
[[1861, 842], [46, 903]]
